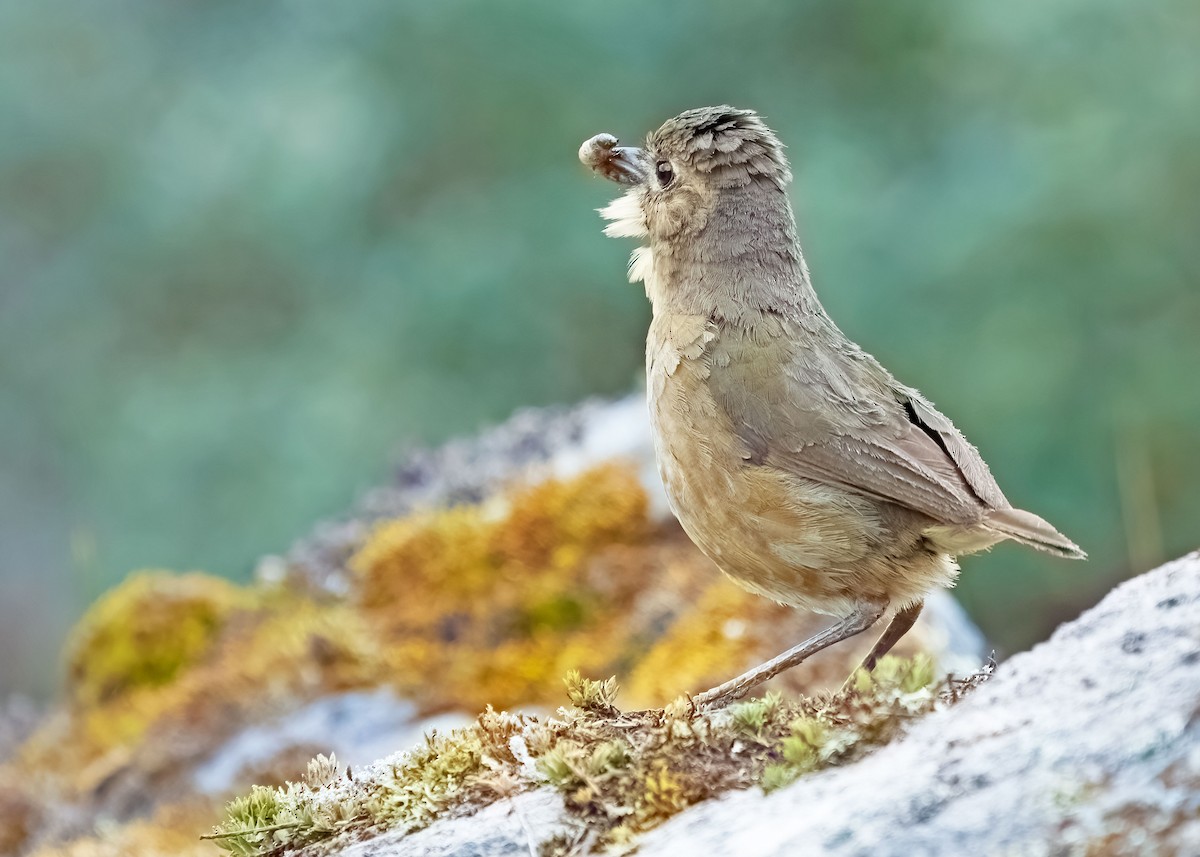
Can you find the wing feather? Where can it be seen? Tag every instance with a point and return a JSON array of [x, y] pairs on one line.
[[843, 420]]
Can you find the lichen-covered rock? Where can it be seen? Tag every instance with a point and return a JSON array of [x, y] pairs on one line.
[[533, 445]]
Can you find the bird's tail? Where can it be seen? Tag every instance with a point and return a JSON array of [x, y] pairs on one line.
[[1028, 529]]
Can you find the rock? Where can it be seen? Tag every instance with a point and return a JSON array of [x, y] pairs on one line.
[[515, 827], [358, 727]]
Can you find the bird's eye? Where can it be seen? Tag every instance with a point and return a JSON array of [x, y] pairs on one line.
[[664, 172]]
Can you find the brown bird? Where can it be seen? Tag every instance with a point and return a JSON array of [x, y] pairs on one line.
[[791, 457]]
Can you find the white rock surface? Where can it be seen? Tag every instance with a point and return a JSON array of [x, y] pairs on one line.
[[511, 827], [358, 727]]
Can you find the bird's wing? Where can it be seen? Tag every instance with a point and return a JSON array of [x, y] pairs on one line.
[[841, 419]]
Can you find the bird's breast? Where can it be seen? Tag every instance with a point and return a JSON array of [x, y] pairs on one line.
[[792, 539]]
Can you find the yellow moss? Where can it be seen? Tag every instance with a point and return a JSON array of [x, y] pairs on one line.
[[412, 566], [143, 632], [557, 523], [491, 604], [699, 649], [664, 795], [418, 568], [289, 650]]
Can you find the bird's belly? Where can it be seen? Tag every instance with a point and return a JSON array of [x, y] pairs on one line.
[[793, 540], [797, 541]]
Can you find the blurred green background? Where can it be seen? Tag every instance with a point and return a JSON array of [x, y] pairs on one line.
[[247, 249]]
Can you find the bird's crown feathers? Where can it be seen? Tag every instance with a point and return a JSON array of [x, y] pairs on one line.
[[722, 140]]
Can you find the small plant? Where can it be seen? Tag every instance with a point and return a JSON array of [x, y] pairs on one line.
[[752, 717], [594, 697]]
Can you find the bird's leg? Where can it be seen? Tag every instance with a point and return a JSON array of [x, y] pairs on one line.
[[897, 628], [863, 617]]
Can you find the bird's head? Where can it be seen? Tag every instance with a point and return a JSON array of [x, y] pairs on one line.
[[694, 164]]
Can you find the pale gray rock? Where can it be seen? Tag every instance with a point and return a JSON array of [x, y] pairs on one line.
[[357, 727], [509, 828]]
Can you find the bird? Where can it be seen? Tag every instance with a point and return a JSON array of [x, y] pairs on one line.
[[791, 457]]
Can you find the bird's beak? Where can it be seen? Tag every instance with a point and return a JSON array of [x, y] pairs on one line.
[[621, 164]]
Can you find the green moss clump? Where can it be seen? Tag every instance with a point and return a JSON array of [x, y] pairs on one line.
[[145, 631], [752, 716], [268, 819], [427, 781], [678, 758], [595, 697]]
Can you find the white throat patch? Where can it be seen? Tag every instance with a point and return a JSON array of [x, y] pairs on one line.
[[625, 212], [629, 221]]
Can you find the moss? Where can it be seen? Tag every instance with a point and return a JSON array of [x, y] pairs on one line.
[[497, 601], [268, 819], [619, 774], [752, 717], [897, 676], [283, 652], [143, 632], [675, 758], [559, 522]]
